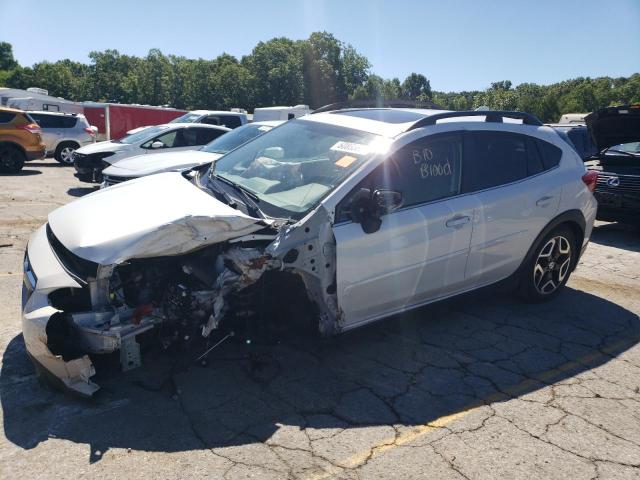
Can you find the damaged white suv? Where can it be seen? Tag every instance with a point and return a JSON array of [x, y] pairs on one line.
[[350, 215]]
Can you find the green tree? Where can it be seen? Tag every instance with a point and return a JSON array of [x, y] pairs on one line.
[[7, 62], [276, 68], [417, 87]]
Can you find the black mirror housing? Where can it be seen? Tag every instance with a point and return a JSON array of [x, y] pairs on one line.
[[387, 201]]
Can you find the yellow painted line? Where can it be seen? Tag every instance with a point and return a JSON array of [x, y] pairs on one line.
[[521, 388]]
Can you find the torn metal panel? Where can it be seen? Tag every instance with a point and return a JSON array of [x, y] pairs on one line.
[[237, 269], [309, 249]]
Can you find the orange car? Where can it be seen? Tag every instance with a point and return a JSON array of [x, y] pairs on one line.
[[20, 140]]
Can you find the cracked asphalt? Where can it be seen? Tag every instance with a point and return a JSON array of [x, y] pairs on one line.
[[482, 387]]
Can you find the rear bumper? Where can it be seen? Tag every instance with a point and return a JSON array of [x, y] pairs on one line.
[[35, 154]]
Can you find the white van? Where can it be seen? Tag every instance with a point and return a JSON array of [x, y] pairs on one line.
[[573, 118], [280, 113]]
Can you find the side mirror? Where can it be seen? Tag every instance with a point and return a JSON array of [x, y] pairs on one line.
[[365, 211], [157, 144], [388, 200]]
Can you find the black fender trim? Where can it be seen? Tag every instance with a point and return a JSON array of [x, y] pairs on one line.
[[575, 220]]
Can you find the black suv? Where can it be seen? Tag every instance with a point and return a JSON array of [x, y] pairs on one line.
[[616, 133]]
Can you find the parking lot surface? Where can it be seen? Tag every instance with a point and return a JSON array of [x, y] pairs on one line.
[[481, 388]]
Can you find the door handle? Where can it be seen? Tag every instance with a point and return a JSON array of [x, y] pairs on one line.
[[544, 201], [458, 221]]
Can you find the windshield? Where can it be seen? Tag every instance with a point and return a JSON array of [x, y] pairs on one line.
[[235, 138], [187, 118], [633, 148], [142, 135], [291, 168]]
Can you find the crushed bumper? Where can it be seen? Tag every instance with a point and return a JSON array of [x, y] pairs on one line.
[[73, 375]]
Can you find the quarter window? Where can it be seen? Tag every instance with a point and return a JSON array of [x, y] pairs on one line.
[[550, 154]]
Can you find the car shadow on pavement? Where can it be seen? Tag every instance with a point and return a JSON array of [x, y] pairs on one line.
[[409, 370], [46, 164], [82, 191], [22, 173], [617, 235]]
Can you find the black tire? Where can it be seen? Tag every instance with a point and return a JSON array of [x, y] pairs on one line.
[[63, 152], [549, 267], [11, 159]]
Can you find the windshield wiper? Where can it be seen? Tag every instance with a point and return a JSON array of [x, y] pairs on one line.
[[252, 197], [237, 186]]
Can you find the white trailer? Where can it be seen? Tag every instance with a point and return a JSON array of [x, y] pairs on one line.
[[279, 113]]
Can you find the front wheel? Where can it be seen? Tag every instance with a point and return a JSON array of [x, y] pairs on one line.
[[550, 266]]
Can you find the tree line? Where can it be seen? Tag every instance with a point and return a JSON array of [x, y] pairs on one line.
[[316, 71]]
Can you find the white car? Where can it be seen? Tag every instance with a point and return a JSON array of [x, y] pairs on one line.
[[229, 119], [335, 220], [89, 161], [143, 165]]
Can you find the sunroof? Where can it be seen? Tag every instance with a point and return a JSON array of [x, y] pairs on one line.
[[384, 115]]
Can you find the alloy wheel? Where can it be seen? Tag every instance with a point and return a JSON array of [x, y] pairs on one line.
[[66, 154], [552, 265]]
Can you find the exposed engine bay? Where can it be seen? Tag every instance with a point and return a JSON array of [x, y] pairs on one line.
[[188, 302]]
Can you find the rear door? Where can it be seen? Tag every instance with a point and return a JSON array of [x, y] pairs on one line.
[[512, 177], [420, 251]]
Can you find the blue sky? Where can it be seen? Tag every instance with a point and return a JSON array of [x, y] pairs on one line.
[[457, 44]]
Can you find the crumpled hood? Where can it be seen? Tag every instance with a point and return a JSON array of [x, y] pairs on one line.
[[107, 146], [614, 125], [142, 165], [154, 216]]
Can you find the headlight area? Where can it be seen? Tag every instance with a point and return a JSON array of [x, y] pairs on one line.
[[29, 279]]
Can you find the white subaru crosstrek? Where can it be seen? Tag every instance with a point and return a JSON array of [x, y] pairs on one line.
[[339, 218]]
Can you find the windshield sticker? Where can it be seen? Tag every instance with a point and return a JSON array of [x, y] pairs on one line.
[[353, 148], [345, 161]]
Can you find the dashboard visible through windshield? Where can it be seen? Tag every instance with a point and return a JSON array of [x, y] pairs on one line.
[[290, 169]]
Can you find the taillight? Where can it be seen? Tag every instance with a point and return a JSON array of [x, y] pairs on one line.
[[590, 179], [90, 132], [31, 127]]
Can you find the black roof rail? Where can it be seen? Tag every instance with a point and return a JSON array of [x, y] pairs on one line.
[[490, 116], [398, 103]]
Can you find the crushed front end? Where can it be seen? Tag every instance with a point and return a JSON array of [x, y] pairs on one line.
[[74, 309]]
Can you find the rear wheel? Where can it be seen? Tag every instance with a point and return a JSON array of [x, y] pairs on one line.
[[64, 152], [11, 159], [550, 266]]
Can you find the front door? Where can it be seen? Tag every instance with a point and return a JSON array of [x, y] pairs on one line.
[[420, 250]]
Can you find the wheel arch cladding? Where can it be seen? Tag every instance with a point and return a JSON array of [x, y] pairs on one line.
[[572, 219]]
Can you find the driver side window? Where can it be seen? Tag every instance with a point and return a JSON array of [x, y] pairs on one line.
[[423, 171], [168, 139]]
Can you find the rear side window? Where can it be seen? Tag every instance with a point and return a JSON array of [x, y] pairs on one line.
[[492, 159], [497, 158], [206, 135], [54, 121], [6, 117]]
